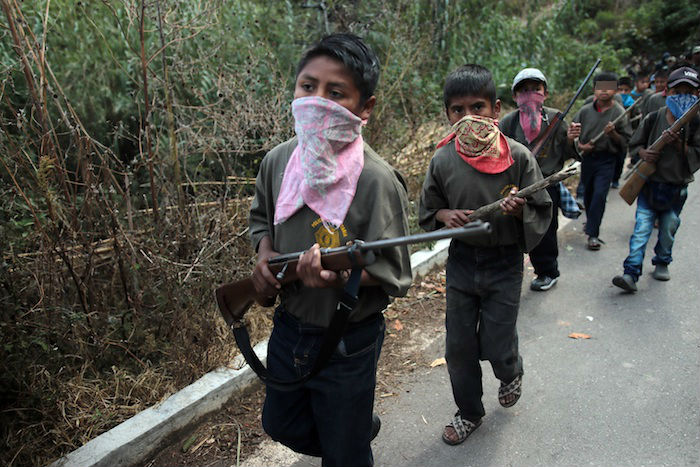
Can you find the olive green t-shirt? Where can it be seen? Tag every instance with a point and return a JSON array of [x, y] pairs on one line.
[[451, 183], [653, 103], [553, 155], [593, 122], [377, 212], [672, 166]]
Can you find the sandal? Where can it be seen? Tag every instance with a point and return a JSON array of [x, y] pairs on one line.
[[458, 430], [594, 243], [508, 394]]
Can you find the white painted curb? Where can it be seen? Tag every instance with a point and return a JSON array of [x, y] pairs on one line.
[[138, 438]]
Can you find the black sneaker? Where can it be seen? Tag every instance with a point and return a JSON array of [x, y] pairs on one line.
[[542, 283], [376, 425], [625, 282]]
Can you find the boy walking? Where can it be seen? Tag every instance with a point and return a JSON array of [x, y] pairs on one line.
[[324, 188], [527, 126], [474, 166], [598, 165], [665, 193]]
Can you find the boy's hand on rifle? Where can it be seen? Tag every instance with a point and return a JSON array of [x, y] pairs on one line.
[[265, 283], [585, 147], [609, 128], [513, 205], [574, 131], [672, 137], [453, 218], [648, 155], [311, 272]]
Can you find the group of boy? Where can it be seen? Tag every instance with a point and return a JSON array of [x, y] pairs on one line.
[[327, 187]]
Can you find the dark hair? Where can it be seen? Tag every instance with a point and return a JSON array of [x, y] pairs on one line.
[[351, 51], [625, 81], [641, 74], [470, 80], [604, 76], [661, 74]]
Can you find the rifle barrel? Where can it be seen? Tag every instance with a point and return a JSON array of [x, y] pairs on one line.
[[467, 230], [580, 88]]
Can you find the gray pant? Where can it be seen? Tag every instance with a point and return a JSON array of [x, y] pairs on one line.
[[483, 297]]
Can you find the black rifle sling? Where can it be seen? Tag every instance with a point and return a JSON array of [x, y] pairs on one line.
[[331, 338]]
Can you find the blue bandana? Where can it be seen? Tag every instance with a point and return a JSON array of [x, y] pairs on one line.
[[627, 100], [678, 104]]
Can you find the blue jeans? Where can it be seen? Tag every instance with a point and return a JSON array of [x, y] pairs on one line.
[[483, 297], [669, 221], [331, 416], [597, 171]]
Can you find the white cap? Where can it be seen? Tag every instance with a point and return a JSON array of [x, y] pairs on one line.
[[528, 73]]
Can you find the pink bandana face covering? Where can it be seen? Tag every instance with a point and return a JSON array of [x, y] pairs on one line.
[[530, 105], [323, 170]]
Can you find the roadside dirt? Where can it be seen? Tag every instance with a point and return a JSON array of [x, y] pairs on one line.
[[412, 322]]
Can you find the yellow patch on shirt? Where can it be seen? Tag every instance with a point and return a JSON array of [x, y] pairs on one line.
[[328, 237]]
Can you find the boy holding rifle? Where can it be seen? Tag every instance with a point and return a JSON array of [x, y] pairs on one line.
[[598, 165], [474, 166], [327, 187], [527, 126], [665, 193]]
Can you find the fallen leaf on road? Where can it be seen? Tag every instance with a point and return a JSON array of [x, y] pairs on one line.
[[424, 420], [563, 323], [440, 289], [397, 325], [438, 362], [579, 335], [387, 394]]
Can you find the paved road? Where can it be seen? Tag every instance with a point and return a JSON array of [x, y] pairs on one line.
[[626, 397]]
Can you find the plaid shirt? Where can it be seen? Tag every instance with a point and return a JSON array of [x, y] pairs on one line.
[[567, 203]]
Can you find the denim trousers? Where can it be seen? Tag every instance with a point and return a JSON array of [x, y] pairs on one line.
[[331, 415], [597, 171], [544, 256], [646, 215], [483, 297]]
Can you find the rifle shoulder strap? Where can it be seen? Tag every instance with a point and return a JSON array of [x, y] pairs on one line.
[[331, 339]]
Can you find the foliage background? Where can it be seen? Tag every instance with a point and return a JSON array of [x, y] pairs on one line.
[[130, 131]]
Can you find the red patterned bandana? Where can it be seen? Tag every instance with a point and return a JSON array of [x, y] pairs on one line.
[[480, 144]]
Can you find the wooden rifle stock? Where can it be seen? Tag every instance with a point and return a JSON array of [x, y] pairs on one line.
[[556, 121], [642, 170], [236, 298]]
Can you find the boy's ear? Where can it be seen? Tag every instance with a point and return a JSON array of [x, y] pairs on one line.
[[546, 93], [367, 108], [497, 108]]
